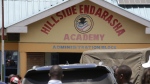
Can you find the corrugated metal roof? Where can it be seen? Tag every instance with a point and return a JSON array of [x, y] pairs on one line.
[[18, 10], [140, 10]]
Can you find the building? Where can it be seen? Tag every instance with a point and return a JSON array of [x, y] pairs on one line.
[[59, 34]]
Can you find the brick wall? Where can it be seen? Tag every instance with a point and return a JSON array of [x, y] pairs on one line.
[[35, 58]]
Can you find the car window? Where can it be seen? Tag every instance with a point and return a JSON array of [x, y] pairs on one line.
[[75, 75], [72, 76]]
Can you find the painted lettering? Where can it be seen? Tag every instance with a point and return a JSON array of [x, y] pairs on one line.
[[90, 37], [63, 12], [96, 36], [92, 10], [104, 15], [45, 30], [84, 37], [120, 32], [59, 15], [56, 21], [66, 37], [50, 24], [82, 47], [47, 26], [54, 47], [118, 26], [114, 22], [98, 12], [86, 9], [102, 36], [79, 37], [81, 8], [73, 37], [109, 19], [74, 10], [68, 11]]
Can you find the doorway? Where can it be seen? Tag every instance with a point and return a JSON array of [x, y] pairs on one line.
[[66, 58], [70, 58]]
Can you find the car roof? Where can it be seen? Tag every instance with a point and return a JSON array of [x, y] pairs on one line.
[[39, 74]]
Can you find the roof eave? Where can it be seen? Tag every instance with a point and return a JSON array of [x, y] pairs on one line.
[[23, 24]]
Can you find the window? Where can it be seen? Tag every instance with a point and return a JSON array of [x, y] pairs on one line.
[[11, 63]]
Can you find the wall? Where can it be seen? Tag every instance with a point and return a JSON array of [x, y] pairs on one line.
[[103, 26], [67, 31], [47, 58]]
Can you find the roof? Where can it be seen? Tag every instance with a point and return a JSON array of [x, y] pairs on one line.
[[140, 9], [18, 10]]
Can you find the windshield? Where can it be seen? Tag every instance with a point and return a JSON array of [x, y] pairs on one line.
[[72, 76]]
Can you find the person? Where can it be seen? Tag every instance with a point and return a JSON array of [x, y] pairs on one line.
[[14, 80], [19, 77], [146, 76], [9, 77], [56, 74], [123, 74]]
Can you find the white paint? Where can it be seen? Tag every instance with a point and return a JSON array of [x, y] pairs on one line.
[[147, 30], [17, 29]]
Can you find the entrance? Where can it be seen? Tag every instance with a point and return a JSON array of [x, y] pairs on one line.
[[48, 58], [65, 58], [70, 58]]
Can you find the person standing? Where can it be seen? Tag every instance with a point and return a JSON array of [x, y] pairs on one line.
[[14, 80], [56, 74], [123, 74]]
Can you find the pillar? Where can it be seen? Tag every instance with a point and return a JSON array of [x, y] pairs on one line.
[[23, 64]]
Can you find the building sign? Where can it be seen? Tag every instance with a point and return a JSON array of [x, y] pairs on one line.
[[83, 47], [84, 23]]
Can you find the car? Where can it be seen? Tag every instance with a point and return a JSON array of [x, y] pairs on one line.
[[73, 74]]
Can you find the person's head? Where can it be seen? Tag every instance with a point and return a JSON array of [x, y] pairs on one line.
[[10, 76], [18, 76], [56, 72], [123, 74], [146, 76], [14, 80]]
